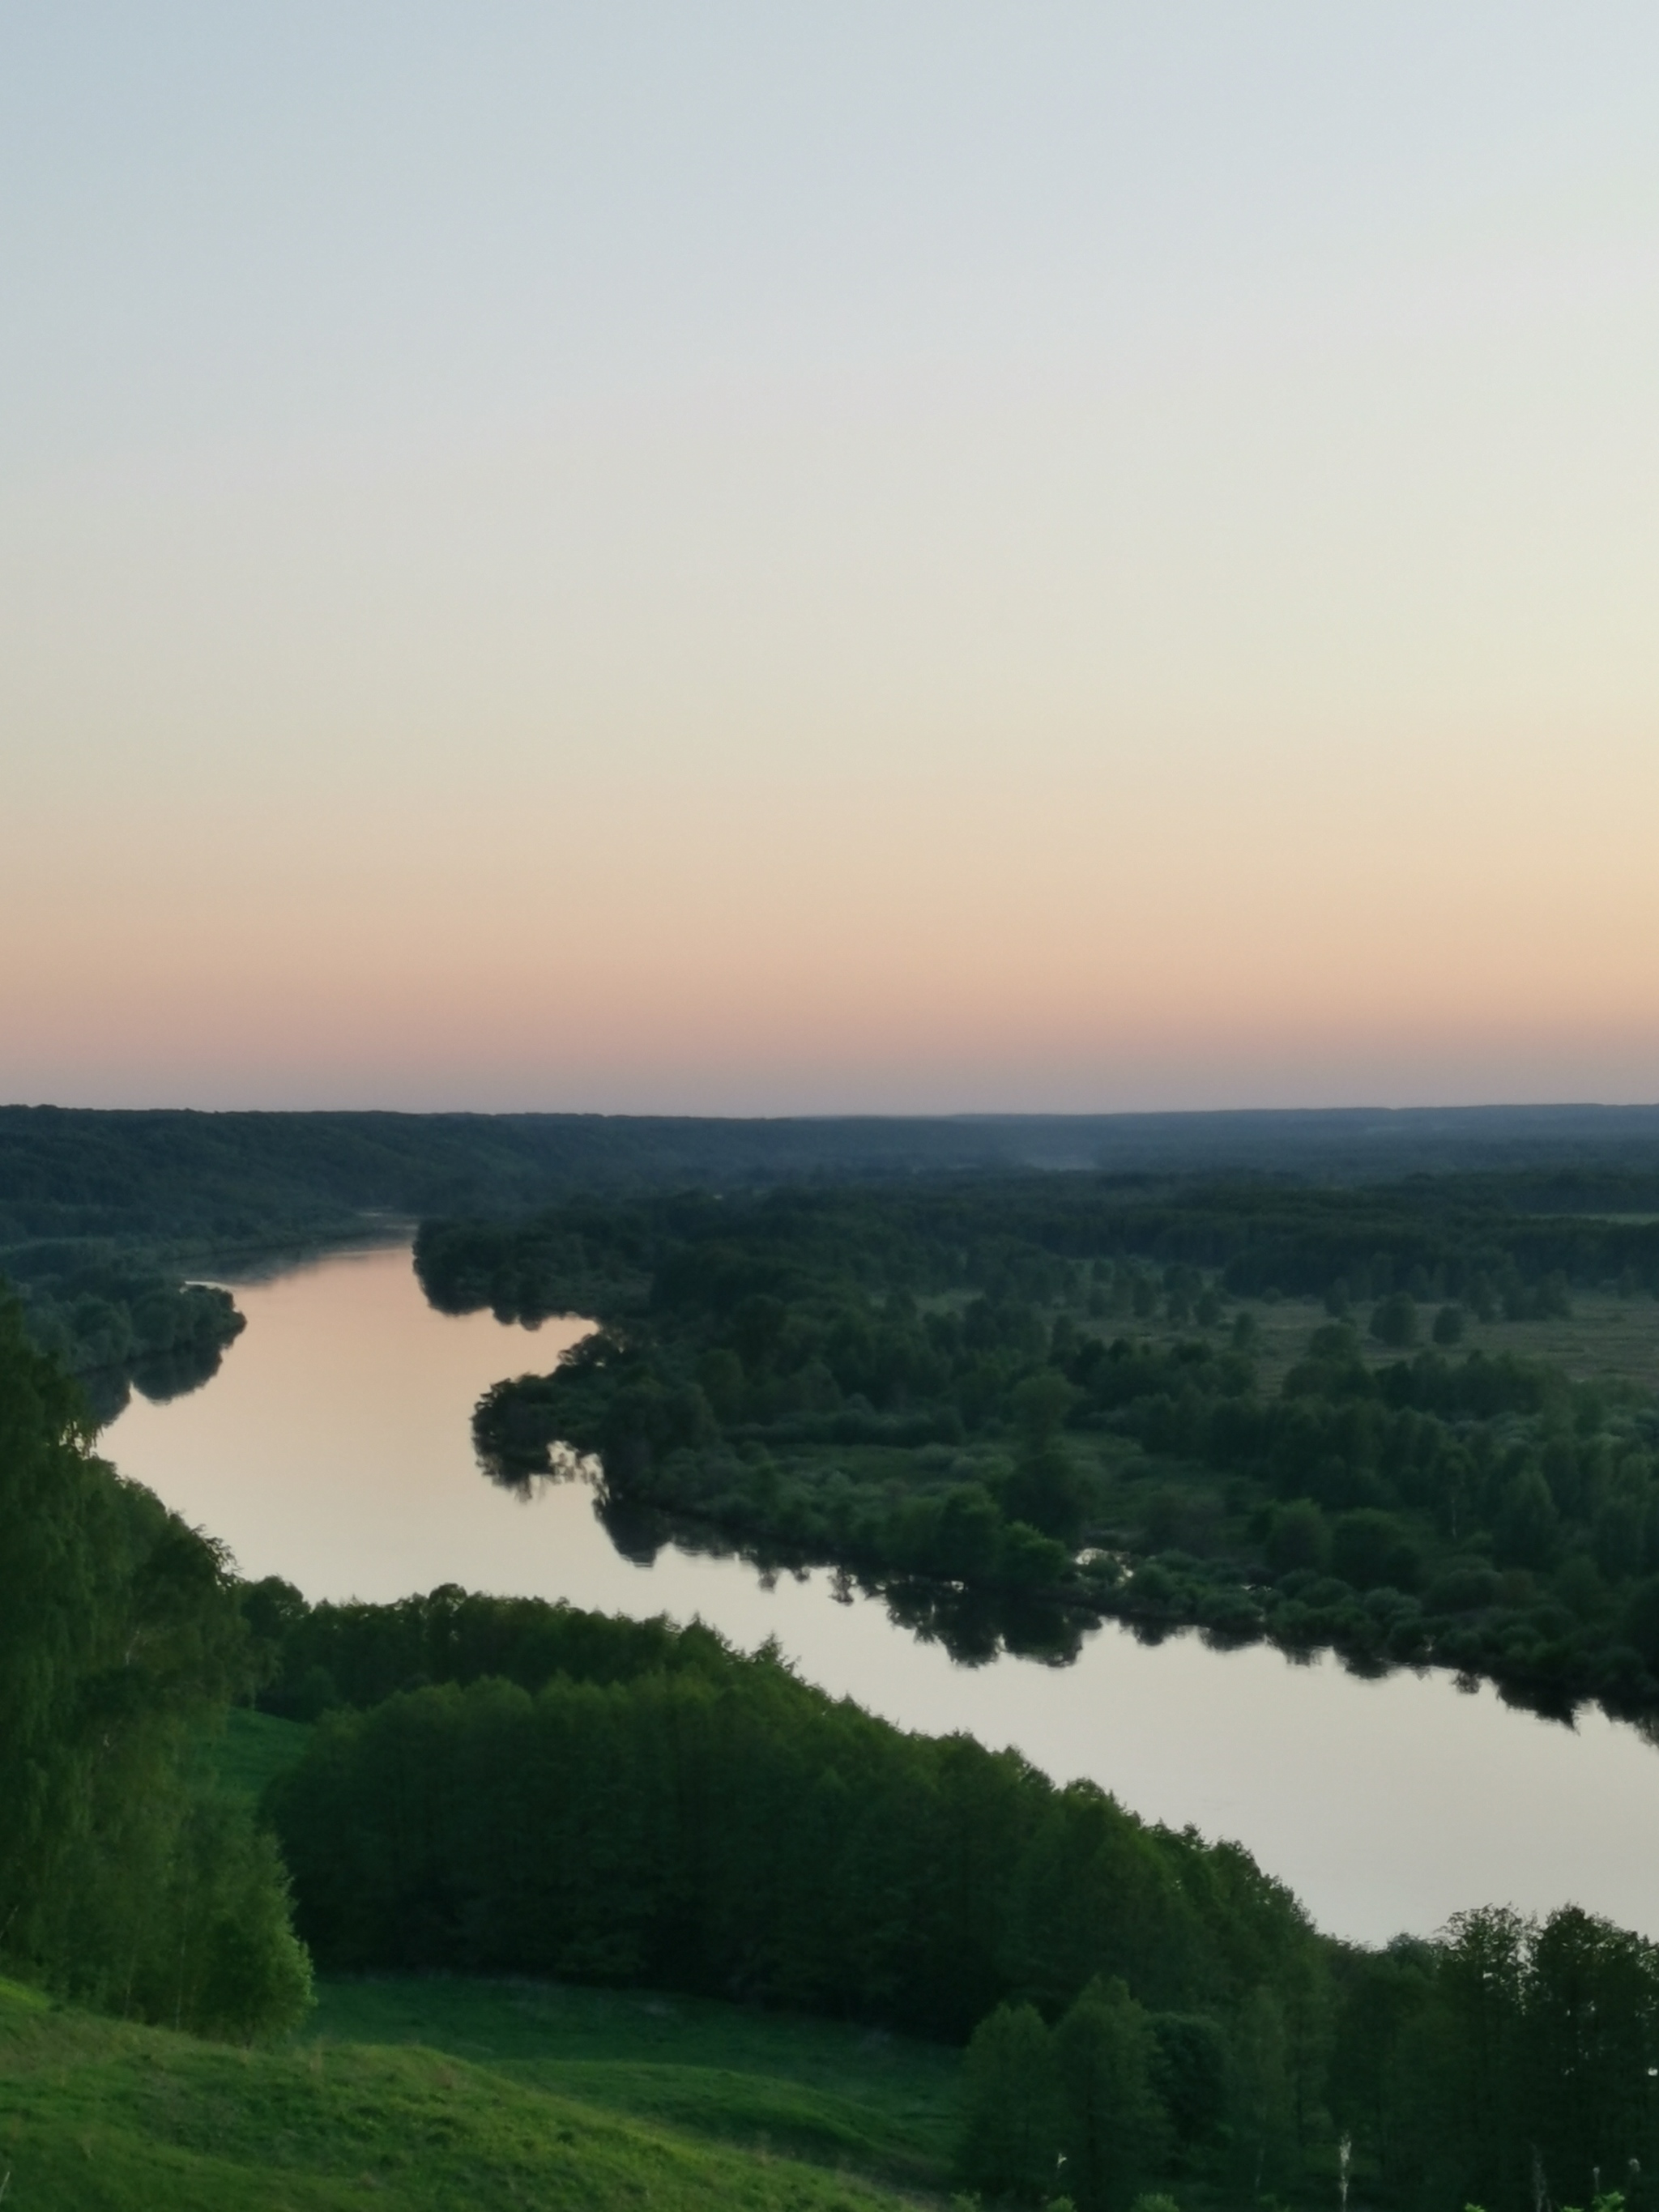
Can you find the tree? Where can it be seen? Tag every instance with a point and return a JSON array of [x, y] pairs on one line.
[[1591, 2036], [1366, 1547], [1191, 2074], [1448, 1326], [1642, 1618], [1526, 1531], [1046, 1490], [1011, 2107], [1041, 1404], [1265, 2133], [120, 1639], [1115, 2132], [1298, 1537], [1393, 1320]]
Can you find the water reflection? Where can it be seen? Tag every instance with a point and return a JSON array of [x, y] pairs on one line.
[[973, 1625], [160, 1377], [334, 1448]]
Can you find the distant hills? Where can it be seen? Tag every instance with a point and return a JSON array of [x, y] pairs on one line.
[[234, 1177]]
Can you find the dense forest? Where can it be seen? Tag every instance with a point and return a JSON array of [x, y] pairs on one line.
[[949, 1387], [118, 1322], [554, 1794], [259, 1178], [104, 1217]]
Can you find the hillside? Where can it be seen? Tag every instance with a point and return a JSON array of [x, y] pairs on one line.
[[96, 2115]]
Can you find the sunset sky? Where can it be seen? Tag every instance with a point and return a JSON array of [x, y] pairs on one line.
[[773, 558]]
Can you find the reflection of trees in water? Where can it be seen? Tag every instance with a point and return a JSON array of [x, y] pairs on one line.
[[559, 1464], [635, 1530], [974, 1623], [161, 1376], [977, 1626], [168, 1374]]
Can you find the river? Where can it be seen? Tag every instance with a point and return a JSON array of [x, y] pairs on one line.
[[334, 1448]]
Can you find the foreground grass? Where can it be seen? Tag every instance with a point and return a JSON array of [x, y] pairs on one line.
[[98, 2115], [849, 2098]]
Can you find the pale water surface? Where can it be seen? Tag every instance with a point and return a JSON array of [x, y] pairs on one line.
[[333, 1448]]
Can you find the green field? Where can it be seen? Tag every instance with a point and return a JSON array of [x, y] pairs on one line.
[[469, 2096], [840, 2096], [1605, 1336]]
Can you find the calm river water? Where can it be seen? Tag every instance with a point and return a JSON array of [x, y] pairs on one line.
[[334, 1448]]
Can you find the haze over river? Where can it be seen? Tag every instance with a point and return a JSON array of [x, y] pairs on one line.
[[334, 1448]]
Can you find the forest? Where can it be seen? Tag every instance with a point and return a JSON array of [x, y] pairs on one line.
[[240, 1178], [1018, 1403], [1015, 1402], [106, 1217], [486, 1786], [556, 1794]]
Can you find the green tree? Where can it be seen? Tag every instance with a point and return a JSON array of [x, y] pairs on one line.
[[1041, 1404], [1265, 2093], [120, 1639], [1394, 1320], [1047, 1490], [1591, 2039], [1116, 2134], [1448, 1326], [1366, 1547], [1298, 1537], [1526, 1531], [1011, 2106], [1642, 1618]]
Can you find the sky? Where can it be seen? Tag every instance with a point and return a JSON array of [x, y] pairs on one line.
[[776, 558]]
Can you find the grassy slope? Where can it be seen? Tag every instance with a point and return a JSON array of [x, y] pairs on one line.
[[254, 1748], [837, 2095], [466, 2094], [105, 2117]]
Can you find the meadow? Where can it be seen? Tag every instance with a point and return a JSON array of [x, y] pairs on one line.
[[432, 2091], [379, 2102]]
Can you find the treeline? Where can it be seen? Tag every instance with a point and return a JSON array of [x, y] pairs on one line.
[[124, 1880], [116, 1321], [735, 1833], [1506, 2064], [310, 1658], [253, 1178], [665, 1812], [896, 1381], [1507, 1245], [1485, 1513]]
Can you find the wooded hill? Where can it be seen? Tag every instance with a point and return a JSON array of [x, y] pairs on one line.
[[1150, 2008]]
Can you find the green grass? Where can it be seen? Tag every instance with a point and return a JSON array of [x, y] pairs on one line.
[[1606, 1337], [837, 2095], [101, 2116], [430, 2092], [253, 1749]]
